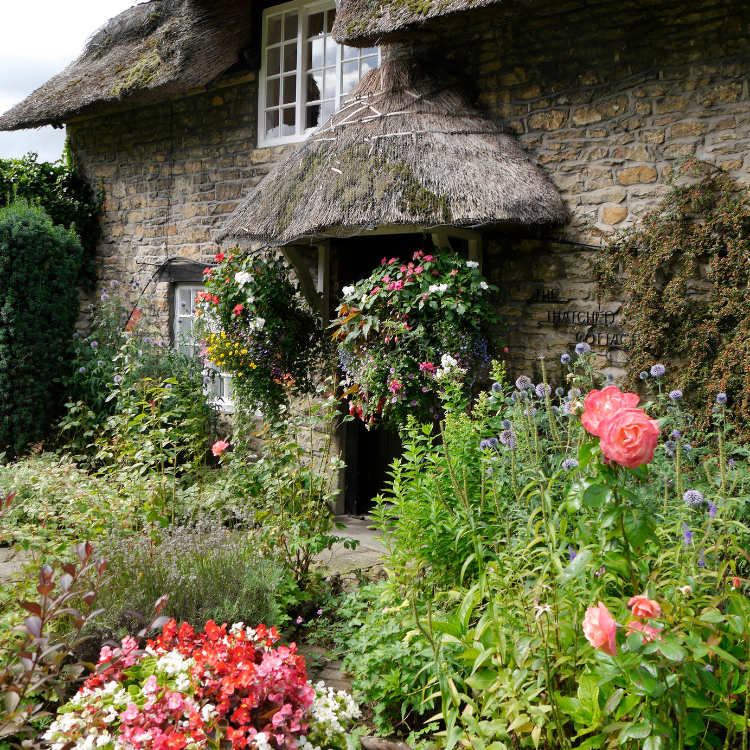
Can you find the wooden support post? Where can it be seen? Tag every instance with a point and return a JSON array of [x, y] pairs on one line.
[[324, 281], [305, 279], [475, 251]]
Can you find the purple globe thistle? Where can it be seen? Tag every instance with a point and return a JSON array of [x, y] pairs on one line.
[[542, 390], [693, 497], [147, 340], [100, 363], [531, 412], [114, 284], [94, 344], [104, 298], [658, 370], [508, 439], [183, 303], [570, 463], [81, 370], [523, 383], [565, 359], [583, 349], [483, 445], [643, 375], [492, 442], [721, 398], [496, 387], [675, 395], [670, 445], [206, 380], [104, 290], [507, 424], [559, 392], [168, 386], [76, 335], [687, 535]]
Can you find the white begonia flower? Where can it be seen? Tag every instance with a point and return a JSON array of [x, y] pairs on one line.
[[438, 288], [243, 277], [250, 300], [347, 290], [472, 264], [483, 285]]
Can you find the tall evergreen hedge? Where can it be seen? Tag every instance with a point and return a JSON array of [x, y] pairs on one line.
[[39, 265]]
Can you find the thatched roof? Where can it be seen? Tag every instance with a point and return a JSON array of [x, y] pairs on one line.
[[364, 23], [147, 53], [405, 149]]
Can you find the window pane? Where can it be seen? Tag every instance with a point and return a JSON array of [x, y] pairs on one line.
[[313, 116], [272, 124], [315, 24], [272, 93], [290, 57], [314, 86], [274, 29], [329, 90], [349, 76], [184, 300], [368, 64], [331, 51], [289, 121], [370, 51], [315, 53], [290, 89], [328, 108], [350, 53], [330, 18], [273, 61], [290, 26]]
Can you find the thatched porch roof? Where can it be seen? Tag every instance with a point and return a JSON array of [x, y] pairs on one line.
[[405, 149], [147, 53], [364, 23]]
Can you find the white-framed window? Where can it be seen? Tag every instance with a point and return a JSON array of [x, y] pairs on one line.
[[305, 75], [220, 389]]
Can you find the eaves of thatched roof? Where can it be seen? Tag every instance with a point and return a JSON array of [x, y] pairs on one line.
[[152, 51], [364, 23], [406, 149]]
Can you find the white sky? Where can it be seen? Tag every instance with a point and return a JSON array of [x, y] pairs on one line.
[[38, 38]]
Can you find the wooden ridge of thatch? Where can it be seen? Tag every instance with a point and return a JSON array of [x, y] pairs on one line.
[[147, 53], [405, 149], [364, 23]]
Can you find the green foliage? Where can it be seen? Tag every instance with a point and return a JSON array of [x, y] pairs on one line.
[[39, 263], [208, 572], [398, 328], [683, 273], [515, 549], [62, 193], [256, 327]]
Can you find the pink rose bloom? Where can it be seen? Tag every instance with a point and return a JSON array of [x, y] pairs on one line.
[[643, 607], [386, 279], [629, 438], [398, 285], [649, 632], [600, 629], [219, 447], [602, 404]]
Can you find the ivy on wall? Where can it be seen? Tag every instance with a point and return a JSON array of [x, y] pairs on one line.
[[682, 273]]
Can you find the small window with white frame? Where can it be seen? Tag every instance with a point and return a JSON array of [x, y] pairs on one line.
[[220, 388], [305, 75]]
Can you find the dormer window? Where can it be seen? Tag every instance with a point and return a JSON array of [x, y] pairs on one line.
[[305, 74]]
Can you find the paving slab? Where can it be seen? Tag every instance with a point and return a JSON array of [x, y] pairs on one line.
[[12, 562]]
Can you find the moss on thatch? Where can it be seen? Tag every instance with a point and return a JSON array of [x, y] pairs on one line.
[[150, 52], [405, 149]]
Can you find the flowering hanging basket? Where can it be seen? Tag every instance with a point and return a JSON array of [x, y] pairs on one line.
[[400, 329]]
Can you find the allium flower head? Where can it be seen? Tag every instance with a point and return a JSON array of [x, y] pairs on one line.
[[658, 370], [721, 398], [565, 359], [675, 395], [582, 349], [570, 463], [523, 383], [692, 497]]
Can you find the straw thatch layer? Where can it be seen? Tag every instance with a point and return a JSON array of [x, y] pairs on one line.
[[405, 149], [364, 23], [151, 51]]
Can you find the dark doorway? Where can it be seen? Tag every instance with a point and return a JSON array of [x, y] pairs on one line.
[[369, 453]]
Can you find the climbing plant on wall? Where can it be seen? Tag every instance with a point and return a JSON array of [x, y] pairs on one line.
[[682, 272]]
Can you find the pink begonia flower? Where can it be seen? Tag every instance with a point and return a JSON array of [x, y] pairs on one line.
[[175, 702], [643, 607], [629, 438], [130, 713], [454, 272], [219, 447], [600, 629], [150, 686], [649, 632], [602, 404]]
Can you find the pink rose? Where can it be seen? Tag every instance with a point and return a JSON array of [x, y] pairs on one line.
[[649, 632], [219, 447], [643, 607], [602, 404], [600, 629], [629, 438]]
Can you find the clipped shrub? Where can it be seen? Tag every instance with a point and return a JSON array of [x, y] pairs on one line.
[[39, 264]]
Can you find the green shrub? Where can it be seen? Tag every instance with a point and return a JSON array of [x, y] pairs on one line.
[[39, 264]]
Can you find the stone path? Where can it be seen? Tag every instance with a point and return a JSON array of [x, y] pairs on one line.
[[12, 561], [366, 557]]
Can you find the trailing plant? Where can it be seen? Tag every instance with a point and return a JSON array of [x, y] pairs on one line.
[[39, 264], [682, 272], [66, 197], [396, 327], [257, 327]]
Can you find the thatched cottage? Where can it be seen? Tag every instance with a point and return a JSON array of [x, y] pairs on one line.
[[505, 129]]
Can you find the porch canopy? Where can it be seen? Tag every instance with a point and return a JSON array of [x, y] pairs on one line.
[[405, 150]]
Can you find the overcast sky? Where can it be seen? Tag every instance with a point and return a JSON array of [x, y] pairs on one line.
[[39, 38]]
